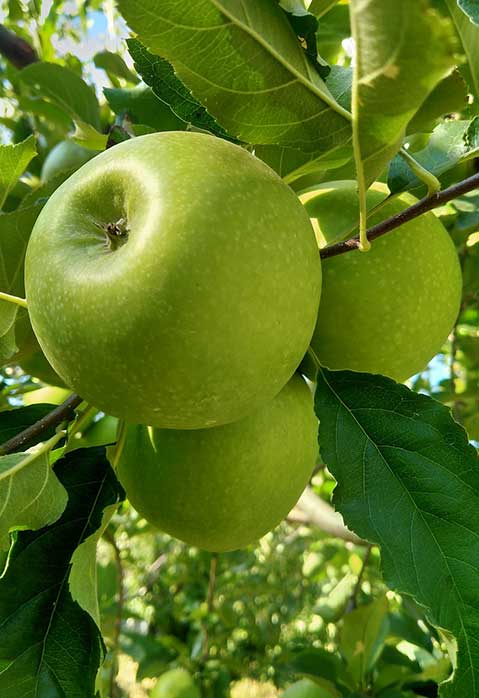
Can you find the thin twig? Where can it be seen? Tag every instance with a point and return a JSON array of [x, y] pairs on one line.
[[62, 413], [110, 537], [353, 602], [210, 601], [417, 209], [15, 49]]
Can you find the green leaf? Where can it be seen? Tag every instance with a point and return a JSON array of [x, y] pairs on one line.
[[305, 26], [362, 638], [114, 66], [450, 95], [49, 646], [273, 97], [14, 160], [12, 422], [142, 107], [29, 498], [291, 163], [332, 606], [321, 7], [470, 9], [88, 137], [451, 143], [409, 480], [83, 587], [47, 110], [15, 229], [324, 668], [65, 89], [333, 29], [402, 51], [160, 76], [469, 35]]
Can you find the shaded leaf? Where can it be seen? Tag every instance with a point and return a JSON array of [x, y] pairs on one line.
[[450, 95], [244, 63], [321, 7], [142, 107], [83, 575], [451, 143], [114, 65], [12, 422], [305, 26], [15, 229], [65, 89], [49, 646], [409, 480], [363, 633], [14, 160]]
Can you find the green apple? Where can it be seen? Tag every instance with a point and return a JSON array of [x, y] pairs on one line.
[[174, 281], [65, 157], [225, 487], [306, 689], [176, 683], [389, 310]]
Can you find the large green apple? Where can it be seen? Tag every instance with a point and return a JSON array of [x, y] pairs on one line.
[[174, 281], [389, 310], [65, 157], [176, 683], [223, 488]]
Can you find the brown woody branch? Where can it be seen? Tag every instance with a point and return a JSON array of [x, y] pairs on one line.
[[62, 413], [417, 209], [15, 49]]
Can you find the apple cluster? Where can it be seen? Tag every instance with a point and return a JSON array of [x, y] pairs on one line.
[[174, 281]]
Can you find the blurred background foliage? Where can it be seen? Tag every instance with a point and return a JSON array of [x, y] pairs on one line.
[[300, 605]]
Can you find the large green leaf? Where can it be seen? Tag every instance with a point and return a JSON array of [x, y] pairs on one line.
[[14, 160], [243, 62], [409, 480], [65, 89], [49, 646], [451, 143], [403, 49]]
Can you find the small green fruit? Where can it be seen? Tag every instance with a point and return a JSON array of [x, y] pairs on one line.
[[65, 157], [390, 310], [176, 683], [174, 280], [225, 487]]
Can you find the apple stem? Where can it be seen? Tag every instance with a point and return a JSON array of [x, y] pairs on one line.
[[13, 299], [426, 204], [431, 181]]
